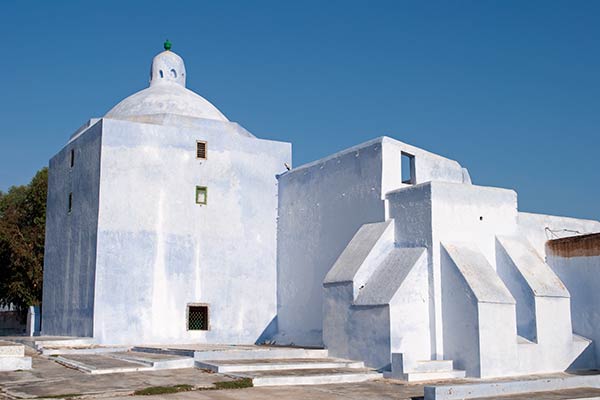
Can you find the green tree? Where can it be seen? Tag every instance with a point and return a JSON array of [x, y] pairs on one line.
[[22, 230]]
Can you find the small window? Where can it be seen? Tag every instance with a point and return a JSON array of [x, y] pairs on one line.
[[72, 162], [174, 73], [161, 73], [200, 150], [197, 317], [70, 203], [407, 168], [201, 194]]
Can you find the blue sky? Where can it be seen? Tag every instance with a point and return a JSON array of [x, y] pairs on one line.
[[510, 89]]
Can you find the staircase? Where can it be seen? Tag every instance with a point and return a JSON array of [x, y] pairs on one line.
[[284, 366], [420, 371]]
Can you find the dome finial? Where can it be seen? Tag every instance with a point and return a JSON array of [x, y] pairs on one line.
[[167, 45]]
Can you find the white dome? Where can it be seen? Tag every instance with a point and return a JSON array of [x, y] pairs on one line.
[[167, 94]]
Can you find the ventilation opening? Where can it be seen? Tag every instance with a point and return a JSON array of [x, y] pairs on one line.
[[174, 73], [161, 73], [197, 317], [201, 194], [201, 150], [70, 203], [407, 168], [72, 162]]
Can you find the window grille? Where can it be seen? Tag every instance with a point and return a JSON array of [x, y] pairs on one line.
[[197, 317], [201, 195], [200, 150]]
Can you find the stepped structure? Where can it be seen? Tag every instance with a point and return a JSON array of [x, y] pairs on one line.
[[168, 224]]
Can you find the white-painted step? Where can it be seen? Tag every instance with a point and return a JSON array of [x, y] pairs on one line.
[[260, 354], [225, 366], [156, 361], [433, 376], [433, 366], [310, 377]]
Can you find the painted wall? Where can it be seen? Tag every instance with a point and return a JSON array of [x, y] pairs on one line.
[[321, 206], [581, 275], [70, 250], [159, 251]]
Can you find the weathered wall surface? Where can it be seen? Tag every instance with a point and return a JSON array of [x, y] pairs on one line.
[[321, 206], [158, 250], [581, 274], [70, 250]]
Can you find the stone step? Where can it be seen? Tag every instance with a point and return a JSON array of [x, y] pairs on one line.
[[310, 376], [224, 366], [99, 364], [14, 363], [66, 342], [50, 351], [433, 366], [260, 354], [11, 349], [154, 360], [433, 376]]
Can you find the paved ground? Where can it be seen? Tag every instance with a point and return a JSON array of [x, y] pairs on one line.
[[48, 378]]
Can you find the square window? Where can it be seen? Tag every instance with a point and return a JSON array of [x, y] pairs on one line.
[[407, 168], [200, 150], [201, 194], [197, 317]]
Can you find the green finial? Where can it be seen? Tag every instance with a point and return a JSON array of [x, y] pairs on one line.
[[167, 45]]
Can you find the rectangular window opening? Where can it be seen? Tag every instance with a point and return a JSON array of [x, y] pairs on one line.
[[200, 150], [201, 195], [197, 317], [407, 168], [70, 203], [72, 163]]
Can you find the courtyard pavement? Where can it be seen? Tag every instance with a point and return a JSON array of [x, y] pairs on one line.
[[49, 379]]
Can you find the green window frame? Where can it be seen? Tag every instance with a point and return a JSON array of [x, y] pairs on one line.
[[201, 195]]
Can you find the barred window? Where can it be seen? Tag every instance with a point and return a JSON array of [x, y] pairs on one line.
[[197, 317], [200, 150]]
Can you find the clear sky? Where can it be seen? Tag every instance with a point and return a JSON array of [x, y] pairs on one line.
[[510, 89]]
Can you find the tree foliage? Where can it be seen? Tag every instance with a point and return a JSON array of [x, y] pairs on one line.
[[22, 230]]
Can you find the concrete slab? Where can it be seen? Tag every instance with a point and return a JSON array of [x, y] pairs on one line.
[[310, 376], [11, 349], [48, 378], [99, 364], [224, 366], [514, 386]]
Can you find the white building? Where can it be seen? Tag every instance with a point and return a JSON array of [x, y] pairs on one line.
[[168, 224]]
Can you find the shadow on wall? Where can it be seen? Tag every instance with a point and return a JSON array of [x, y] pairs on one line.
[[266, 337]]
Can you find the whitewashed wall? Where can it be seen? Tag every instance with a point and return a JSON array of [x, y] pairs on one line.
[[158, 250], [70, 248], [581, 275]]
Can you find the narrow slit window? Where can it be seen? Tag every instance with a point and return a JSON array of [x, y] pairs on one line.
[[201, 195], [197, 317], [72, 161], [70, 203], [200, 150], [407, 168]]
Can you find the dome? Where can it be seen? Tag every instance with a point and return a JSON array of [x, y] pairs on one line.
[[167, 93]]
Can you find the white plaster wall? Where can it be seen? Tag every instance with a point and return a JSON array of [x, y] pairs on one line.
[[409, 317], [158, 250], [321, 206], [355, 332], [533, 227], [70, 247], [581, 275], [428, 166], [461, 327]]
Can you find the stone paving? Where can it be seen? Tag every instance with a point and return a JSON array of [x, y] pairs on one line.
[[48, 378]]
